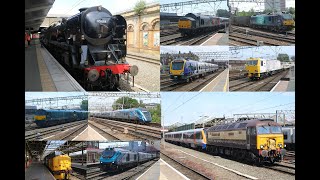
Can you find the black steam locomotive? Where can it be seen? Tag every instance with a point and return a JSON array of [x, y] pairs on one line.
[[91, 45]]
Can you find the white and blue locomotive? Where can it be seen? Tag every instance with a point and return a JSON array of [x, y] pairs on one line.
[[117, 159], [137, 115]]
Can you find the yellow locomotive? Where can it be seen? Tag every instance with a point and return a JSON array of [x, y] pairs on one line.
[[59, 164], [258, 68]]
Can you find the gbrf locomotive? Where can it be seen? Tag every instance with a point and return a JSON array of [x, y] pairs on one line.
[[92, 47], [116, 159], [50, 117]]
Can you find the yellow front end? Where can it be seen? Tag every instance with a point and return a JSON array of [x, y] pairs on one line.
[[270, 142], [289, 22], [253, 70], [61, 166], [39, 118], [177, 72], [184, 24]]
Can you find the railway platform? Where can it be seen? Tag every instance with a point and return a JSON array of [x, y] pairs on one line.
[[216, 39], [169, 172], [152, 173], [38, 171], [89, 134], [44, 73], [288, 84], [219, 83]]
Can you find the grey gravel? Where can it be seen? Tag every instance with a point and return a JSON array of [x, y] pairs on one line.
[[148, 76], [258, 172]]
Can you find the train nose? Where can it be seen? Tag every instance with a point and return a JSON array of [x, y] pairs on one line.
[[272, 144], [283, 152]]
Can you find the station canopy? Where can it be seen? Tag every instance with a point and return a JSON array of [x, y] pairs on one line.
[[35, 13]]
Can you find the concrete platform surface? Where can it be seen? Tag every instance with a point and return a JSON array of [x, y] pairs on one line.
[[38, 171]]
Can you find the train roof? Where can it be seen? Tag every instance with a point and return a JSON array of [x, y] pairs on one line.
[[243, 124], [185, 131], [62, 110], [139, 108]]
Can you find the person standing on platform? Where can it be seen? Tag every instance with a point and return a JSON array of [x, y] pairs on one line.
[[28, 39]]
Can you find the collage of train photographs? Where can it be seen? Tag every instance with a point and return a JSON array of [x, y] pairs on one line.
[[159, 89]]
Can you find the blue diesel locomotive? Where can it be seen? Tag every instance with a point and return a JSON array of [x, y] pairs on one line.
[[45, 118], [136, 115], [117, 159]]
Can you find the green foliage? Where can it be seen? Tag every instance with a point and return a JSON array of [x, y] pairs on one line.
[[283, 57], [293, 58], [223, 13], [139, 7], [84, 105], [127, 103], [245, 13], [291, 10], [156, 114]]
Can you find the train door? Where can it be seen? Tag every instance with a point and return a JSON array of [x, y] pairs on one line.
[[251, 137]]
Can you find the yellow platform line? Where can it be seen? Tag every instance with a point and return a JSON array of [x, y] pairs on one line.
[[47, 83]]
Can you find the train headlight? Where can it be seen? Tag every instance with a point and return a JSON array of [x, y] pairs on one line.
[[285, 145], [261, 147], [93, 75], [280, 145]]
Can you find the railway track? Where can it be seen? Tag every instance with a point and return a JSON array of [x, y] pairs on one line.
[[140, 131], [266, 84], [95, 174], [145, 59], [247, 36], [193, 174], [195, 85], [103, 132], [280, 168], [41, 133]]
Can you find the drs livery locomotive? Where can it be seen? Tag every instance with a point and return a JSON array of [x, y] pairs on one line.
[[184, 70], [258, 140], [50, 117], [59, 165], [136, 115], [276, 22], [117, 159], [92, 47]]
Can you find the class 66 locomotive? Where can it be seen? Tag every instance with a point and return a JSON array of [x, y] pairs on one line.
[[92, 46], [117, 159], [193, 24]]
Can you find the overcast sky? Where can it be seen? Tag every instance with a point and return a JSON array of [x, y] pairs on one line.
[[71, 7], [266, 52], [54, 104], [106, 102], [205, 8], [257, 6], [187, 107]]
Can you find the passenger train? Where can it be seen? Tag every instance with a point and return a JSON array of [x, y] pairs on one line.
[[184, 70]]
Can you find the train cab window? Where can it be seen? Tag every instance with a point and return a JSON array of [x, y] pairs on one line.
[[261, 63], [198, 135]]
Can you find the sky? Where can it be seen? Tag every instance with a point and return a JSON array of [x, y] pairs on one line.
[[207, 8], [103, 145], [55, 104], [187, 107], [102, 101], [71, 7], [267, 52], [257, 6]]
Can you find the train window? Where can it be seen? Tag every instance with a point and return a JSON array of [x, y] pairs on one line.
[[275, 129], [135, 157], [263, 130], [197, 135], [202, 21], [261, 63], [128, 157]]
